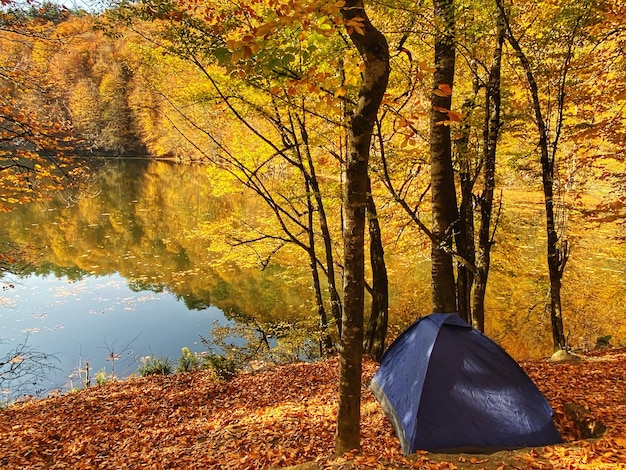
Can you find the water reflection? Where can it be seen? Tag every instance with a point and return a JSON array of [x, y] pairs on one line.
[[140, 231], [123, 262], [90, 319]]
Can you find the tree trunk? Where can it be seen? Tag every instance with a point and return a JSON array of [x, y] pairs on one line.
[[468, 174], [556, 256], [464, 236], [326, 342], [444, 207], [491, 129], [376, 331], [374, 52], [335, 301]]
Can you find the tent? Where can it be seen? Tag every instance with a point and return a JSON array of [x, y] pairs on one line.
[[445, 386]]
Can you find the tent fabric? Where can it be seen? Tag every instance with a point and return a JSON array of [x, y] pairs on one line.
[[445, 386]]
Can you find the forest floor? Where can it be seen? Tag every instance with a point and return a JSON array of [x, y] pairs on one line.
[[285, 416]]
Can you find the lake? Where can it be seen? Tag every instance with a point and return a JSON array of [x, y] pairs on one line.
[[98, 318], [136, 264], [117, 270]]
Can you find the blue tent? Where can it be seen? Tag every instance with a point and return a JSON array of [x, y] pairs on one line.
[[445, 386]]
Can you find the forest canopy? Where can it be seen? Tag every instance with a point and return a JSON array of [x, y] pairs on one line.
[[261, 92]]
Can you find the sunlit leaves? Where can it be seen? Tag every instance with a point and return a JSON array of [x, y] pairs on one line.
[[27, 175], [35, 138], [453, 116], [355, 24], [241, 30], [284, 416], [577, 38]]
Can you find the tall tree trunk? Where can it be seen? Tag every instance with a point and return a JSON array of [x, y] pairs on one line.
[[326, 342], [468, 174], [556, 255], [464, 235], [374, 52], [491, 129], [376, 330], [444, 207], [335, 301]]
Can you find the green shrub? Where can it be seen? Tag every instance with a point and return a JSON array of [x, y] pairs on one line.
[[152, 365], [187, 361], [223, 367], [101, 377], [603, 341]]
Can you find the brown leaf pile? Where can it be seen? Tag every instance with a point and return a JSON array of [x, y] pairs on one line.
[[280, 417]]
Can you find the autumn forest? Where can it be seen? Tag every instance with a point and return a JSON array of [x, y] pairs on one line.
[[402, 157]]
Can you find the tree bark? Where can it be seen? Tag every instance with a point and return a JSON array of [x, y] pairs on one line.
[[556, 255], [374, 51], [444, 206], [376, 331], [335, 301], [491, 130], [326, 342], [464, 234]]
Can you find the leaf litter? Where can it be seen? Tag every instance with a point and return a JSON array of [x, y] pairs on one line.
[[285, 416]]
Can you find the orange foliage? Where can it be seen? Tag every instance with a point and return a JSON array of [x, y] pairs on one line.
[[34, 141], [282, 417]]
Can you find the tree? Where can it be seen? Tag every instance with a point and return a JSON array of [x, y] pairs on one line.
[[259, 73], [454, 235], [260, 36], [480, 40], [548, 105], [491, 131], [34, 148], [443, 192], [374, 51], [376, 330]]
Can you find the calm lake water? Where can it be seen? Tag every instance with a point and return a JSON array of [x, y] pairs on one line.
[[135, 264], [121, 269], [89, 319]]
